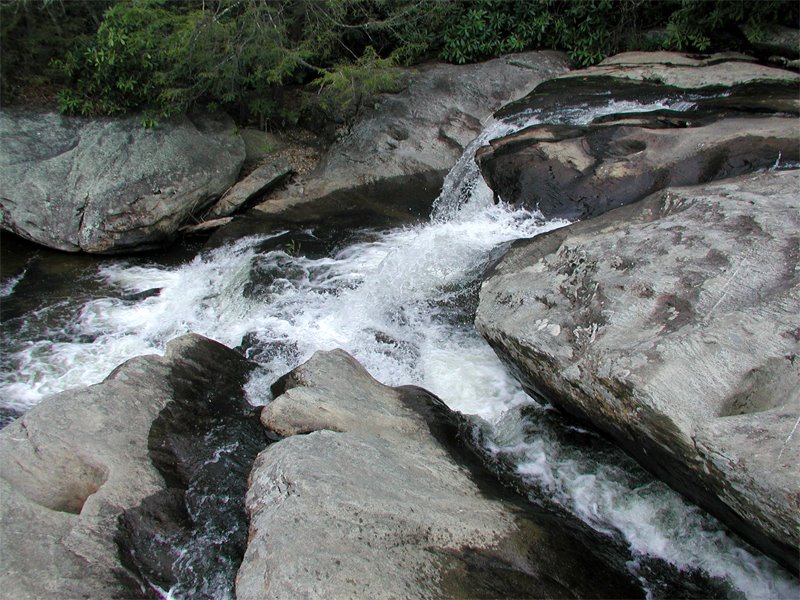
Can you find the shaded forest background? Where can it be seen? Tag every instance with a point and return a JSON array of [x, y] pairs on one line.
[[277, 62]]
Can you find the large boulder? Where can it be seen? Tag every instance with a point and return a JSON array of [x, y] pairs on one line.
[[103, 489], [578, 172], [369, 496], [726, 117], [110, 185], [672, 325], [394, 158]]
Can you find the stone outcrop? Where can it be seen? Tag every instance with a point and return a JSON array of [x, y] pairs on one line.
[[250, 189], [110, 185], [687, 71], [394, 158], [722, 117], [125, 450], [671, 324], [376, 500]]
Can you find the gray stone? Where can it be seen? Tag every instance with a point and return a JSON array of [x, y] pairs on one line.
[[686, 70], [672, 325], [72, 465], [250, 189], [578, 172], [400, 149], [370, 503], [260, 145], [109, 185], [727, 116]]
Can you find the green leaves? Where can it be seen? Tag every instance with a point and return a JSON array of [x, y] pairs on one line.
[[349, 84], [117, 71], [705, 24], [587, 29], [167, 57], [162, 57], [590, 30]]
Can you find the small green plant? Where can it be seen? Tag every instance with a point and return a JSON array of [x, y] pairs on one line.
[[292, 248], [349, 86]]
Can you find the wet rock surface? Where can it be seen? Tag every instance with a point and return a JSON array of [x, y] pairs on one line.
[[721, 117], [75, 463], [381, 483], [110, 185], [671, 325], [190, 537]]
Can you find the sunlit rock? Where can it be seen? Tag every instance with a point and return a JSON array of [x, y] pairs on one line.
[[672, 324]]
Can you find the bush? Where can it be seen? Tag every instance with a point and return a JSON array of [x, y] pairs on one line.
[[162, 57], [590, 30], [710, 24], [167, 57], [120, 70]]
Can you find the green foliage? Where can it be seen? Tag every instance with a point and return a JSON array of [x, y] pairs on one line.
[[33, 32], [346, 87], [250, 57], [118, 71], [704, 24], [167, 57], [590, 30]]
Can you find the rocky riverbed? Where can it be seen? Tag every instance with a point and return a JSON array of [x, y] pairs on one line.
[[665, 319]]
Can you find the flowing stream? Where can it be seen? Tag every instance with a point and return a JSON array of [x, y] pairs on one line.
[[402, 302]]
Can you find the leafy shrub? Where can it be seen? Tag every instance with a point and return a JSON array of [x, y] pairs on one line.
[[705, 24], [167, 56], [119, 70], [590, 30], [347, 87]]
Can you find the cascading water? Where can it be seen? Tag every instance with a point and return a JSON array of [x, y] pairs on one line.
[[402, 302]]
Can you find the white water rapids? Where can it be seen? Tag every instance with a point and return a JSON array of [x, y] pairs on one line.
[[399, 301]]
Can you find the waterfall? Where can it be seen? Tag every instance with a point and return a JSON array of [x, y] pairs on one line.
[[402, 302]]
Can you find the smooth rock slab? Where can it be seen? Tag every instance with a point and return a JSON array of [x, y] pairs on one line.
[[395, 156], [686, 70], [109, 185], [371, 502], [578, 172], [672, 325], [719, 116]]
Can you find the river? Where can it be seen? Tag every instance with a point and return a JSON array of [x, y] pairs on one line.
[[401, 301]]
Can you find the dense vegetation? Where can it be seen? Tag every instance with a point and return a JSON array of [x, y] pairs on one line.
[[271, 60]]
